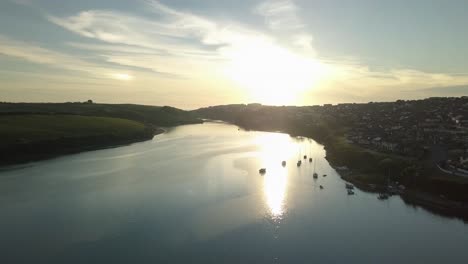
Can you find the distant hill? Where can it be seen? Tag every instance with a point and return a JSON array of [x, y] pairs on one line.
[[33, 137], [35, 131], [154, 115]]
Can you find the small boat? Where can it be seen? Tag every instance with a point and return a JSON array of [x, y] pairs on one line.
[[324, 175], [350, 192], [321, 187], [349, 186], [382, 196], [262, 171], [305, 156], [283, 163], [299, 163], [310, 159], [315, 175]]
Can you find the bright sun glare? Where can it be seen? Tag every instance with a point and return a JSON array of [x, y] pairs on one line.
[[272, 74], [273, 149]]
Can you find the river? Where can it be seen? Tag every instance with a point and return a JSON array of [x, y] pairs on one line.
[[194, 195]]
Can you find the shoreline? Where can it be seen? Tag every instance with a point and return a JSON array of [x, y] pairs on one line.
[[414, 197], [30, 158]]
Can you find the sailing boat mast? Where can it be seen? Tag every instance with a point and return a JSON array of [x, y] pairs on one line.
[[310, 152], [305, 153], [299, 162], [315, 173]]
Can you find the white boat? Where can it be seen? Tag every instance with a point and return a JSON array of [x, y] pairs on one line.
[[349, 186], [350, 192]]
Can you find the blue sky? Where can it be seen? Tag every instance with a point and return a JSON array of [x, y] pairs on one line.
[[197, 53]]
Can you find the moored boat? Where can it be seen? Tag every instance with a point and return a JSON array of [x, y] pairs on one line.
[[382, 196]]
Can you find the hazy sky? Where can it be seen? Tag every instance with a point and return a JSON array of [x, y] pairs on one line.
[[192, 53]]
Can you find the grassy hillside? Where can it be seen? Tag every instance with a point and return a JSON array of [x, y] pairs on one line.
[[33, 131], [30, 128], [154, 115], [33, 137]]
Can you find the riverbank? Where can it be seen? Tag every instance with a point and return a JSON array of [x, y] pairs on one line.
[[27, 138], [439, 205], [370, 171]]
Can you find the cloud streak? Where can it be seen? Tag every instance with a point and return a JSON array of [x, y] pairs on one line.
[[280, 15], [167, 43], [35, 54]]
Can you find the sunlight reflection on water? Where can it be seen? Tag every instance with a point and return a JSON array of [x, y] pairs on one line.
[[273, 149]]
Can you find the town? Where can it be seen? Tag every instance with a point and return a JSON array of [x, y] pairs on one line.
[[436, 128], [422, 144]]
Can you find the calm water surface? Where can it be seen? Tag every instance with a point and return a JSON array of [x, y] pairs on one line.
[[194, 195]]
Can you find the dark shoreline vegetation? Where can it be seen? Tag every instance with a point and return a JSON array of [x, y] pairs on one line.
[[37, 131], [369, 170]]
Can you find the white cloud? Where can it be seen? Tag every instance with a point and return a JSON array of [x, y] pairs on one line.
[[179, 44], [282, 18], [171, 41], [36, 54], [280, 14], [33, 53]]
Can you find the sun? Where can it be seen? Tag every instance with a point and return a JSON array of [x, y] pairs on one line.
[[272, 74]]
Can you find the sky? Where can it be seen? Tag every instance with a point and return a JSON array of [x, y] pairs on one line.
[[193, 53]]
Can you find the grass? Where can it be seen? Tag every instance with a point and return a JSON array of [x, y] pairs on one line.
[[33, 128], [370, 165], [157, 116]]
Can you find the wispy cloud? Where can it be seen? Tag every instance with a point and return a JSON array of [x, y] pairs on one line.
[[33, 53], [168, 40], [180, 45], [282, 18], [280, 14]]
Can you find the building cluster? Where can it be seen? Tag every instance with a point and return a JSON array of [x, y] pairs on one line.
[[436, 127]]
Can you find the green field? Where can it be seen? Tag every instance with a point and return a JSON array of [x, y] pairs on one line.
[[155, 115], [16, 129], [35, 131]]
